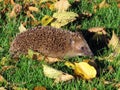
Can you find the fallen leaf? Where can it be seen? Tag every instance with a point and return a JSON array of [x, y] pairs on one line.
[[31, 8], [52, 60], [59, 76], [99, 30], [62, 5], [46, 20], [42, 1], [2, 80], [114, 41], [40, 88], [15, 11], [83, 70], [4, 68], [19, 88], [30, 15], [22, 28], [31, 54], [63, 18], [103, 4], [2, 88], [114, 44], [1, 0], [3, 61]]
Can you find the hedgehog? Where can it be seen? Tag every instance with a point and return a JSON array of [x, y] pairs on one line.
[[51, 42]]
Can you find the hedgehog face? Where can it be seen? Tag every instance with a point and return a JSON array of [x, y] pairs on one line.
[[80, 47]]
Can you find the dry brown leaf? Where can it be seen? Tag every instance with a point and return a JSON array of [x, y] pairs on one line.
[[22, 28], [30, 15], [110, 69], [2, 79], [62, 5], [59, 76], [15, 11], [31, 8], [52, 60], [98, 30], [114, 41], [40, 88], [4, 68]]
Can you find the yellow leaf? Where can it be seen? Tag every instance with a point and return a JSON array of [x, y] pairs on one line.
[[59, 76], [22, 28], [83, 69], [3, 61], [63, 18], [46, 20], [62, 5], [52, 7], [1, 0], [51, 72]]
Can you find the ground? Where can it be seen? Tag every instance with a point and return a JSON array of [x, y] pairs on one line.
[[28, 73]]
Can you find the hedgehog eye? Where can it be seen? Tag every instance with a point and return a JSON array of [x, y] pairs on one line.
[[83, 48]]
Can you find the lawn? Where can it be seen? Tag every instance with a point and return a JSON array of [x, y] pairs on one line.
[[28, 73]]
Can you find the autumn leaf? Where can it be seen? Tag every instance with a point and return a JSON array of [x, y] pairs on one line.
[[15, 11], [46, 20], [2, 88], [2, 80], [22, 28], [103, 4], [40, 88], [114, 44], [3, 61], [114, 41], [59, 76], [62, 5], [52, 60], [63, 18], [31, 8], [83, 69], [98, 30], [18, 88]]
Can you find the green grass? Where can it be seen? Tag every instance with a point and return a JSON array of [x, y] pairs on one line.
[[28, 73]]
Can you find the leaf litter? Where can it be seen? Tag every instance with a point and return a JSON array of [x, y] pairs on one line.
[[61, 17]]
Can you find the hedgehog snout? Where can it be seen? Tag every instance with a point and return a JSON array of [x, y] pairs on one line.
[[86, 51]]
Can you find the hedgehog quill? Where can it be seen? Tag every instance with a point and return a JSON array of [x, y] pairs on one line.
[[50, 41]]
